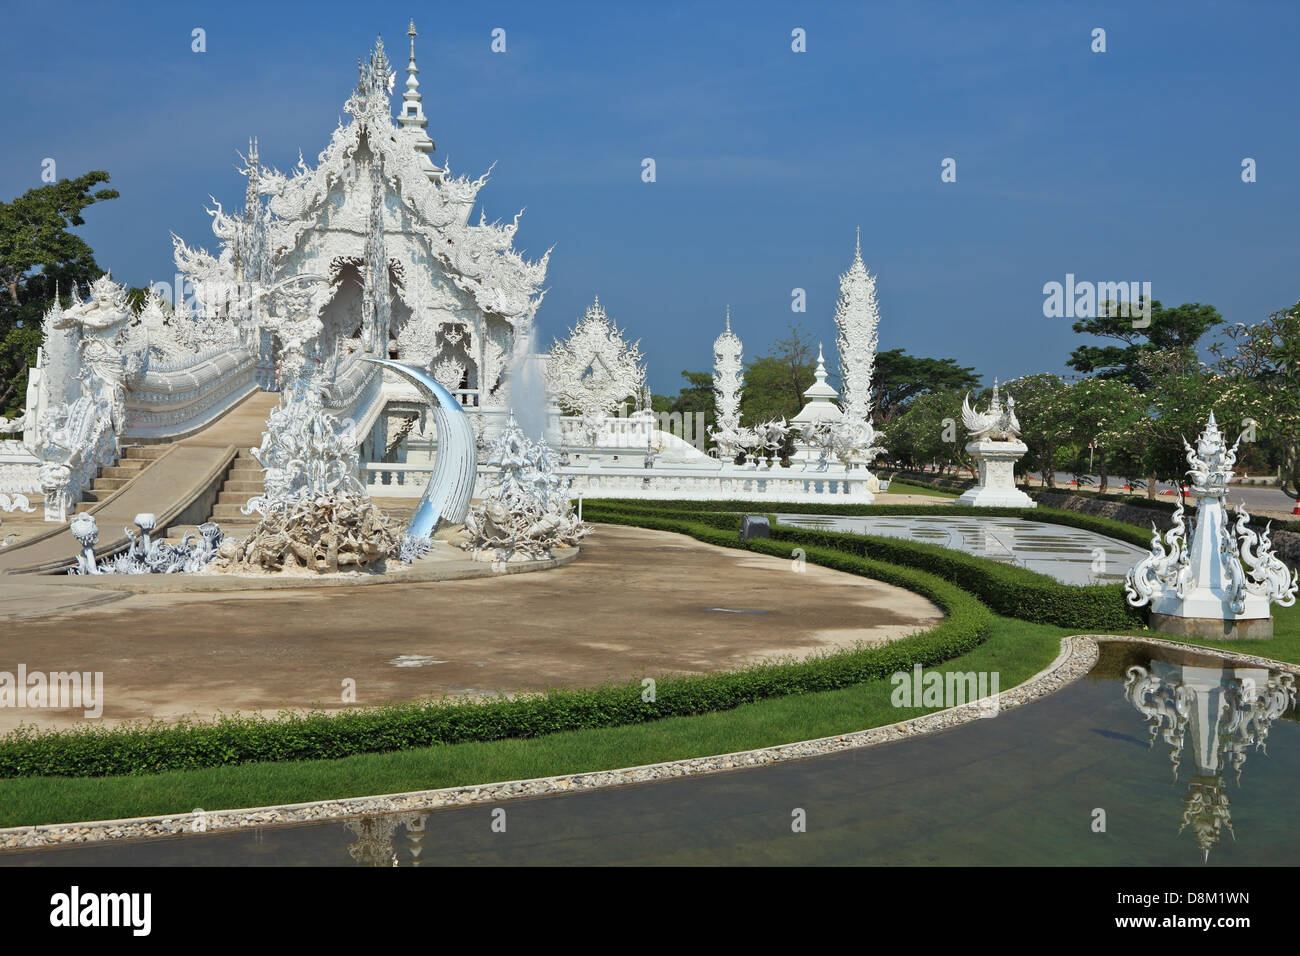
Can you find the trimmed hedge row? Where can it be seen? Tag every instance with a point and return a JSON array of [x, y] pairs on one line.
[[1007, 589], [159, 747]]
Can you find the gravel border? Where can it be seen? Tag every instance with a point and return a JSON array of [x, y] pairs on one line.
[[1077, 657]]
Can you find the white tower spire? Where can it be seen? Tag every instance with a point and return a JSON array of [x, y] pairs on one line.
[[728, 382], [857, 322], [412, 116]]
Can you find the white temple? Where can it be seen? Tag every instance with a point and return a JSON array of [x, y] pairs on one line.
[[372, 253], [384, 237]]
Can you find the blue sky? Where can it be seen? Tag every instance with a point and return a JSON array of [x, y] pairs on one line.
[[1123, 165]]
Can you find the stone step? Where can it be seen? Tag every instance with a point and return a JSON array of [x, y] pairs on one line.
[[228, 512], [227, 497], [248, 488], [108, 484], [144, 452], [123, 469]]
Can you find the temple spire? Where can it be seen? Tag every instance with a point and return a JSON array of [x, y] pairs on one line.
[[250, 193], [857, 249], [728, 318], [412, 116]]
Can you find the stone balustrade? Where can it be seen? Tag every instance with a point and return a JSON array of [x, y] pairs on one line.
[[171, 401]]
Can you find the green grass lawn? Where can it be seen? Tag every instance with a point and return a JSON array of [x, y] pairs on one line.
[[1016, 651], [899, 487]]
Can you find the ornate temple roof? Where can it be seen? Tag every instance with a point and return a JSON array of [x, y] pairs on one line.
[[479, 258]]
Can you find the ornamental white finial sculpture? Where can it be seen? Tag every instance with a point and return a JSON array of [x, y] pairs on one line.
[[728, 383], [594, 369], [1201, 589], [857, 324], [1225, 711], [996, 447]]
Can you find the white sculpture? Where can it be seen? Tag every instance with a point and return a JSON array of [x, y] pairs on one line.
[[728, 383], [525, 513], [145, 555], [1225, 711], [307, 454], [74, 441], [857, 324], [1199, 588], [10, 426], [15, 503], [102, 322], [995, 447], [594, 369], [999, 423]]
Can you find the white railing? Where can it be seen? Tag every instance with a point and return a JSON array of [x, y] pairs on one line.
[[743, 482], [178, 398], [395, 479]]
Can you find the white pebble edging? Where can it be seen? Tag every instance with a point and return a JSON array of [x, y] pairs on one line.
[[1077, 657]]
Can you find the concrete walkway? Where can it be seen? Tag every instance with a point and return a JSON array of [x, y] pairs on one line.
[[636, 603], [176, 486]]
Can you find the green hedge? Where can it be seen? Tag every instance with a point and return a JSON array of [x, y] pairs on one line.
[[1007, 589], [158, 747]]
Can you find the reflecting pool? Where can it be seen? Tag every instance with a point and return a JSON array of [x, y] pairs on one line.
[[1071, 555], [1155, 758]]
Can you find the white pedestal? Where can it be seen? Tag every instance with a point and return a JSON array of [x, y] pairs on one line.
[[996, 486]]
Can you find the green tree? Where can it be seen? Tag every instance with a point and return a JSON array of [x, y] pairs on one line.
[[928, 431], [1263, 386], [775, 383], [1042, 411], [37, 254], [1175, 329], [1182, 394], [1099, 416], [898, 378]]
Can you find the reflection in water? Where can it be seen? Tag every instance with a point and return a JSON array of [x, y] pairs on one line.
[[374, 845], [1225, 709]]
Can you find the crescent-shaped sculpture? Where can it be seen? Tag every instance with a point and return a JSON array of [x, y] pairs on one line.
[[446, 499]]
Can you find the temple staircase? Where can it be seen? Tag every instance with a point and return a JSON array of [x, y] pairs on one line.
[[182, 482]]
